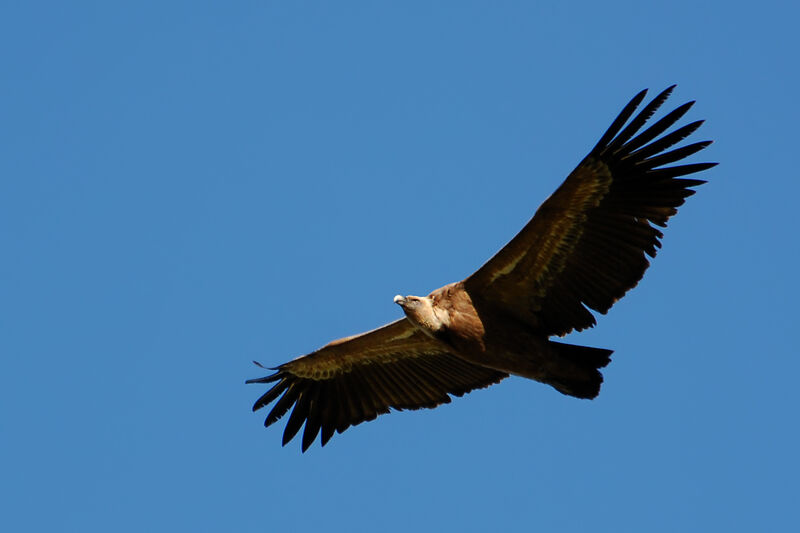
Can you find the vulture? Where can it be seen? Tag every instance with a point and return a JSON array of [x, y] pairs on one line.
[[584, 248]]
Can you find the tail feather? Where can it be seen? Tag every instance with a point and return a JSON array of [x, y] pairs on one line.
[[576, 372]]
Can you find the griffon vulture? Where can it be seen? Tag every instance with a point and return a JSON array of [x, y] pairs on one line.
[[585, 247]]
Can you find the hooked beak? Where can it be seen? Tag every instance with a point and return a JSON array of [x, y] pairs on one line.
[[399, 300]]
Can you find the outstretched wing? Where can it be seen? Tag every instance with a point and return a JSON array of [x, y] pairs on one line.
[[358, 378], [586, 245]]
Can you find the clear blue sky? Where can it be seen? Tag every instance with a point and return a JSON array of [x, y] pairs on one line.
[[186, 187]]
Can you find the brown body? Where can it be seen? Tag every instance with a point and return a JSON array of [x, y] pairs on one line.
[[585, 247], [493, 338]]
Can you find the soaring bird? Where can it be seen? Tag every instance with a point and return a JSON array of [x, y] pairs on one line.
[[584, 248]]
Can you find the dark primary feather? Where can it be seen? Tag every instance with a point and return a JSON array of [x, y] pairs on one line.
[[367, 390], [586, 246]]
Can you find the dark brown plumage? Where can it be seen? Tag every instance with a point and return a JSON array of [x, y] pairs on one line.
[[585, 247]]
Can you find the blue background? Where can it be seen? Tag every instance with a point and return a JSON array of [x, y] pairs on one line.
[[188, 186]]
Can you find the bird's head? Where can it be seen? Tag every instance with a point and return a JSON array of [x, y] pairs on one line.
[[406, 301], [421, 312]]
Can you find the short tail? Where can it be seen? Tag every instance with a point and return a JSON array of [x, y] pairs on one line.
[[576, 370]]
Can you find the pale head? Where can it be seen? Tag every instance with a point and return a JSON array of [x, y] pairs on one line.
[[422, 313]]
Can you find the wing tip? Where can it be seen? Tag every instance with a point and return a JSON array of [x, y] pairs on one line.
[[266, 379]]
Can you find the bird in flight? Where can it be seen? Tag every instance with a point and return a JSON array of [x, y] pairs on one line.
[[584, 248]]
